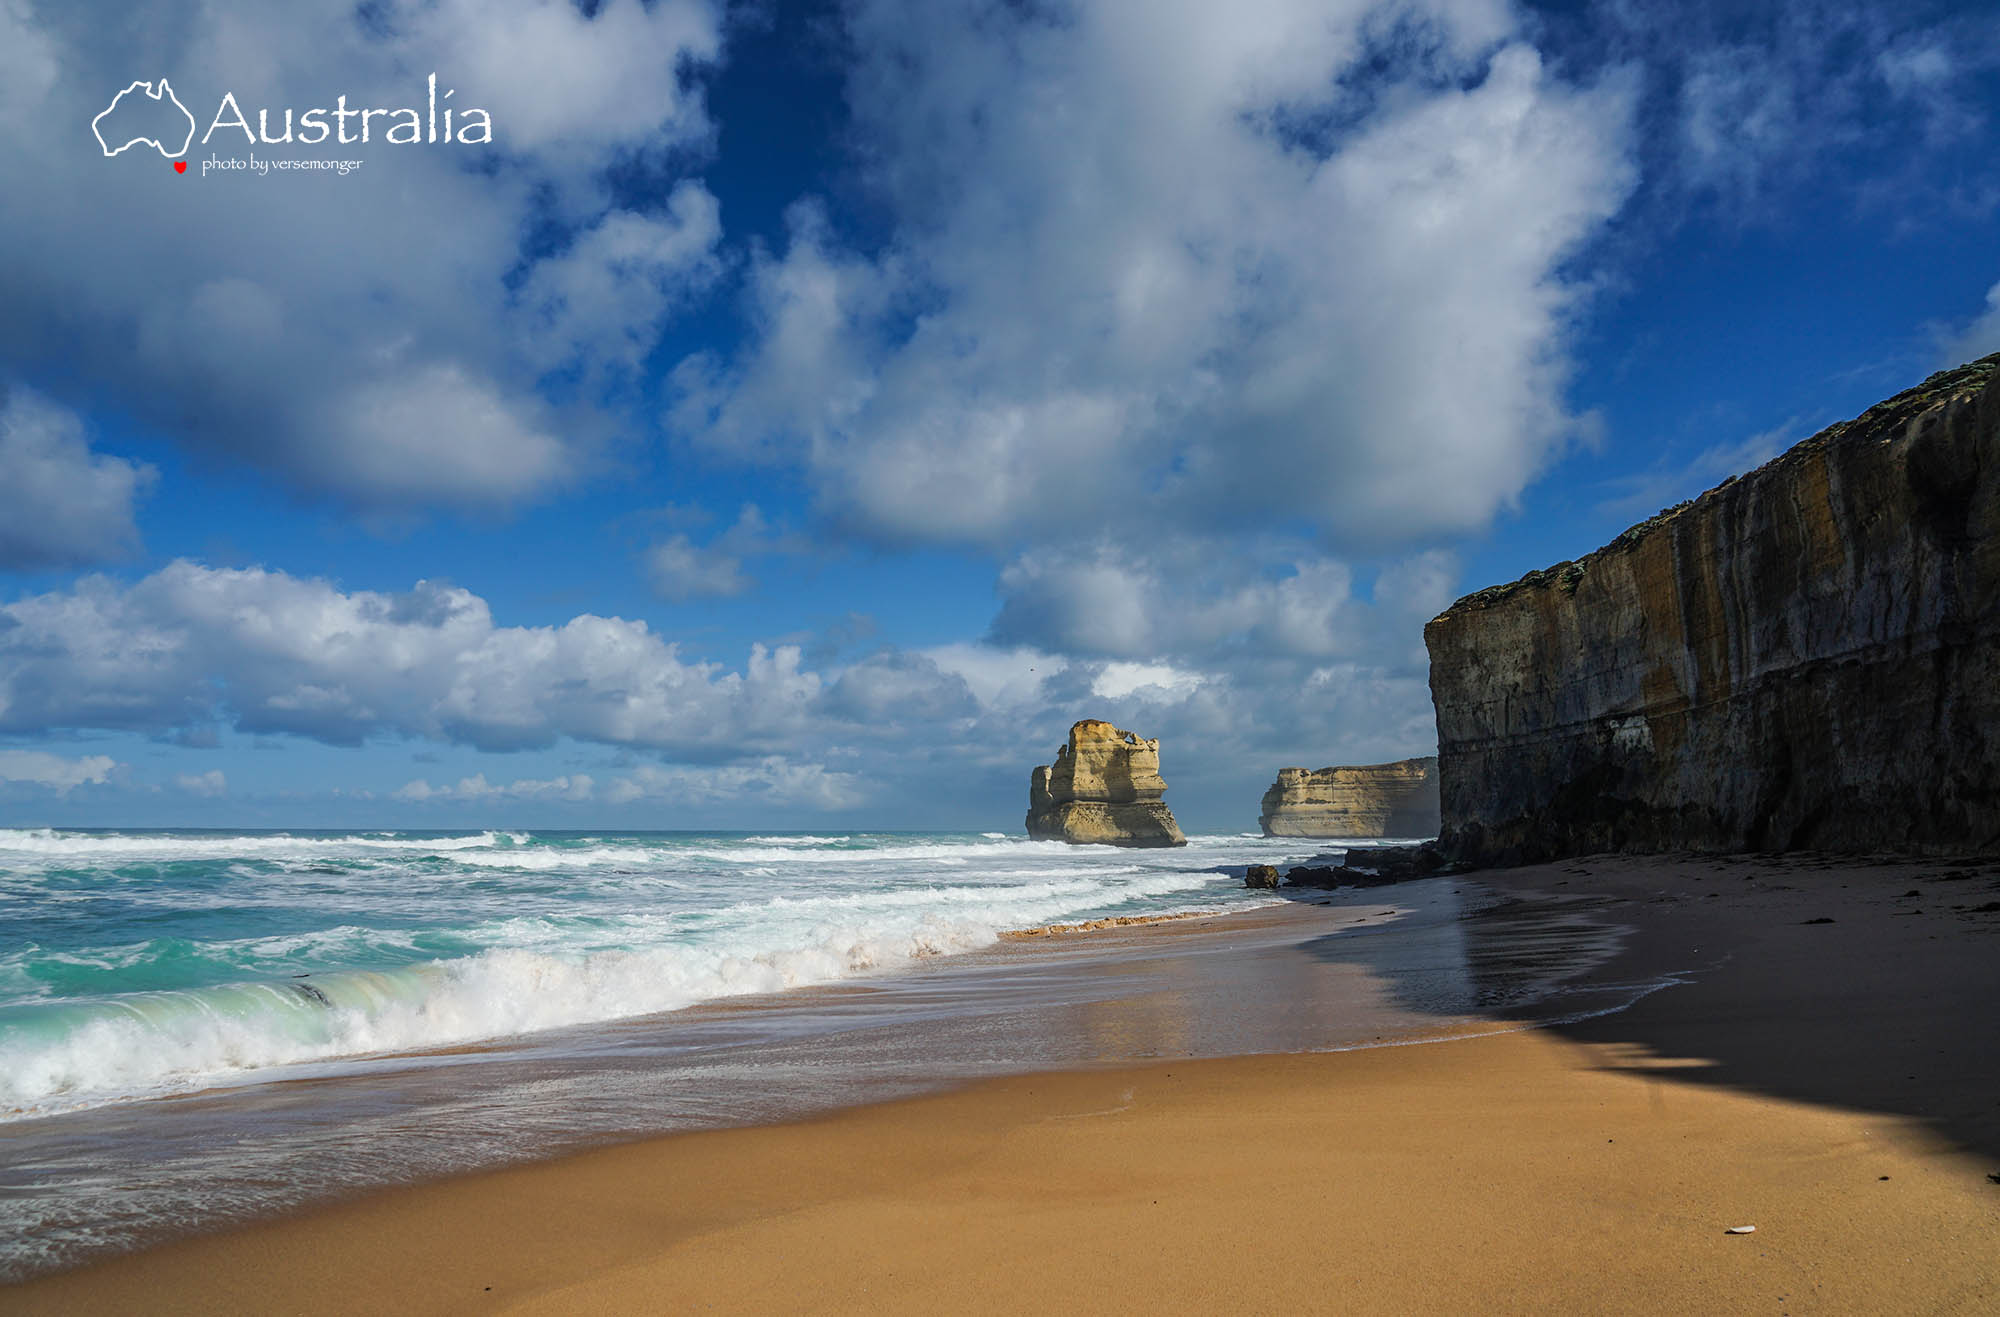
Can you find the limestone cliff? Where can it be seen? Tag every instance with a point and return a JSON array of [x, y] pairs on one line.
[[1373, 800], [1105, 788], [1807, 656]]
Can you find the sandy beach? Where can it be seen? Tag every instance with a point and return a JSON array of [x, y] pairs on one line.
[[1825, 1069]]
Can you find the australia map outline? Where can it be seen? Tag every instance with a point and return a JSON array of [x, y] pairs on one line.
[[135, 115]]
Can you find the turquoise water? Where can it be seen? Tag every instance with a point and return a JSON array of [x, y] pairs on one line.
[[140, 964]]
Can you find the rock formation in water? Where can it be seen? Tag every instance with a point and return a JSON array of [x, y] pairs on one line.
[[1104, 787], [1375, 800], [1807, 656]]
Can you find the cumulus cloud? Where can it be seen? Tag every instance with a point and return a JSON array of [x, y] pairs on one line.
[[271, 653], [574, 76], [190, 648], [211, 783], [680, 570], [601, 304], [1226, 726], [61, 505], [62, 775], [1139, 275], [1308, 661], [1194, 600], [898, 687], [1187, 315], [379, 337], [1117, 680], [1182, 313], [999, 677]]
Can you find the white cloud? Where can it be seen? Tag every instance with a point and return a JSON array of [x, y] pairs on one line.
[[1933, 71], [1097, 603], [901, 688], [191, 648], [1757, 105], [1741, 114], [1125, 291], [680, 570], [999, 678], [601, 303], [1117, 680], [775, 781], [1421, 586], [569, 81], [39, 768], [211, 783], [61, 505], [569, 786], [1924, 70], [191, 645], [1191, 300], [1979, 338], [361, 337], [472, 443], [1198, 600]]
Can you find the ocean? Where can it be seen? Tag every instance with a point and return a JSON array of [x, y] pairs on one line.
[[202, 1027]]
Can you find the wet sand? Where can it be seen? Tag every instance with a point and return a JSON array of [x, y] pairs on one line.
[[1594, 1164], [92, 1184]]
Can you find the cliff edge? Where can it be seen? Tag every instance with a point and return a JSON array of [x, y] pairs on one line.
[[1104, 788], [1807, 656], [1371, 800]]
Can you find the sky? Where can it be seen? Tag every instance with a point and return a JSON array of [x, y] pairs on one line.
[[777, 415]]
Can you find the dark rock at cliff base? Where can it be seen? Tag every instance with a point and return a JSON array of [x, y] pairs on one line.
[[1335, 875], [1104, 788], [1805, 657], [1368, 800], [1397, 863], [1374, 867]]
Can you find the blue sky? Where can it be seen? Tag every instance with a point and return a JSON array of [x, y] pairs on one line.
[[798, 414]]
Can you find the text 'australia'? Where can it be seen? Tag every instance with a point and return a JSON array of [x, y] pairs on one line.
[[406, 126]]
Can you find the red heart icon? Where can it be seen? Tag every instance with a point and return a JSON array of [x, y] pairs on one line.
[[180, 166]]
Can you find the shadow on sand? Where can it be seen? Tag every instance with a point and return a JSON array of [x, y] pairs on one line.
[[1868, 985]]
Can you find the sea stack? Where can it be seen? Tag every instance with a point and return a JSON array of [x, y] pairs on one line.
[[1805, 657], [1103, 789], [1368, 800]]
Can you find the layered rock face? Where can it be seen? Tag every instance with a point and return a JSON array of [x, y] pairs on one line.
[[1104, 788], [1373, 800], [1807, 656]]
